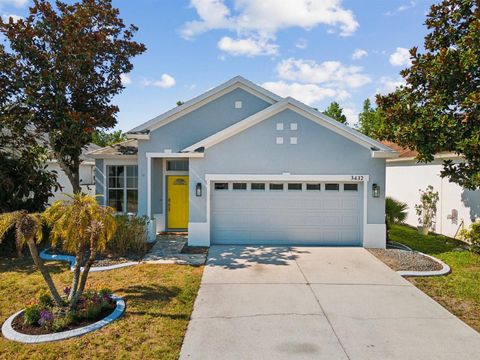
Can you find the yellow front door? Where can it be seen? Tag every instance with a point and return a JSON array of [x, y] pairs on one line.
[[177, 202]]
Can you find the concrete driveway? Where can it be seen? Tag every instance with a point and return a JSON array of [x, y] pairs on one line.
[[317, 303]]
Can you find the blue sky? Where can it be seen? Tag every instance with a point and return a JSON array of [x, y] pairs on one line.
[[317, 51]]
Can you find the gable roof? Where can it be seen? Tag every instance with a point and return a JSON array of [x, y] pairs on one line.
[[238, 82], [378, 149]]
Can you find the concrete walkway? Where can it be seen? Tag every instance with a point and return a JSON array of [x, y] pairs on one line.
[[317, 303], [168, 250]]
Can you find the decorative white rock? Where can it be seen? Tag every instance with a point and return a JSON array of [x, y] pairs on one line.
[[11, 334]]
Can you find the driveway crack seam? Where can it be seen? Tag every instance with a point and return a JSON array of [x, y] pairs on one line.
[[255, 315], [321, 308]]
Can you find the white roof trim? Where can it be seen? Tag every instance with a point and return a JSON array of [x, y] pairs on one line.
[[436, 157], [174, 155], [304, 110], [205, 98]]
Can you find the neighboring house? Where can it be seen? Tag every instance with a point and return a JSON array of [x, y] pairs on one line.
[[87, 175], [241, 165], [457, 206]]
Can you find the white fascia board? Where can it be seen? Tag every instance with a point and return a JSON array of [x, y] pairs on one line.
[[413, 159], [205, 98], [286, 177], [116, 156], [138, 136], [174, 155], [385, 154]]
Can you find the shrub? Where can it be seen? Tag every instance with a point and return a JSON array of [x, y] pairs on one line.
[[31, 315], [395, 211], [472, 236], [44, 299], [130, 236], [427, 209], [60, 323]]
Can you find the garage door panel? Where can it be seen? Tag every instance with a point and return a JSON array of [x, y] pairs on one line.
[[286, 217]]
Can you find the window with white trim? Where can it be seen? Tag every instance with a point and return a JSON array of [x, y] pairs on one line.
[[293, 126], [332, 187], [221, 186], [279, 126], [276, 187], [295, 186], [279, 140], [293, 140], [123, 188], [257, 186], [314, 187], [239, 186], [350, 187], [177, 165]]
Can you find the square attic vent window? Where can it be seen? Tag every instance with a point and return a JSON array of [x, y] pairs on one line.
[[238, 104]]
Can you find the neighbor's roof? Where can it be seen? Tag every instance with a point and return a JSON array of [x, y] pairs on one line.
[[124, 149], [406, 154]]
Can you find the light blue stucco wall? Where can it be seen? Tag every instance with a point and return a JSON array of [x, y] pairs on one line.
[[319, 151], [100, 179], [187, 130]]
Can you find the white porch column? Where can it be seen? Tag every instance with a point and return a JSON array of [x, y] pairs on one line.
[[149, 186]]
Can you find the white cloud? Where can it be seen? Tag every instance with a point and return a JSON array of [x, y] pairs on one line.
[[411, 4], [401, 57], [248, 47], [16, 3], [301, 43], [359, 53], [15, 18], [331, 73], [307, 93], [261, 20], [126, 80], [351, 114], [166, 81], [388, 84]]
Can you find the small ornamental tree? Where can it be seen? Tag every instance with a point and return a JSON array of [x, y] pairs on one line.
[[67, 61], [335, 112], [80, 224], [427, 209]]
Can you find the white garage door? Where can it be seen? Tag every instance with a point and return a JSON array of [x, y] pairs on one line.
[[286, 213]]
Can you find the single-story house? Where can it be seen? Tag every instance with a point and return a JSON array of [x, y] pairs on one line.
[[242, 165], [457, 207], [87, 175]]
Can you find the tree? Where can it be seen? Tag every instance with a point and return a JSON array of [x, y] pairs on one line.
[[25, 181], [335, 112], [81, 224], [104, 138], [369, 120], [84, 229], [68, 63], [438, 109]]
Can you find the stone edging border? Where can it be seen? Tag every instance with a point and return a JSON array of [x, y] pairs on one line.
[[444, 271], [71, 260], [9, 333]]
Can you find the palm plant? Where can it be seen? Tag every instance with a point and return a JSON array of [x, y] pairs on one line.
[[27, 228], [395, 213], [84, 228]]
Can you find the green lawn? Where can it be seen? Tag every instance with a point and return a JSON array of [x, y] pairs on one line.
[[159, 303], [459, 291]]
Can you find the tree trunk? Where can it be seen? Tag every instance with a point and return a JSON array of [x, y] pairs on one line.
[[83, 280], [73, 176], [76, 274], [43, 270]]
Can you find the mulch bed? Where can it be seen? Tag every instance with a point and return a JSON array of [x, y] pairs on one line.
[[402, 260], [19, 325]]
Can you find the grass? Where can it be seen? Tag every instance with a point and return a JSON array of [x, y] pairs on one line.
[[459, 291], [159, 303]]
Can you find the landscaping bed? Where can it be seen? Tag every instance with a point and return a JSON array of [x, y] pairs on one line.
[[403, 260], [159, 298], [194, 249], [459, 291]]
